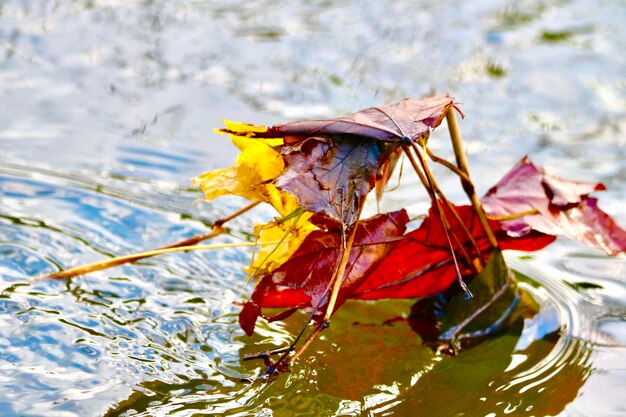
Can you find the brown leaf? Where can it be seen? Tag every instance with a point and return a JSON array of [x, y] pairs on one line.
[[390, 123], [330, 177], [331, 165]]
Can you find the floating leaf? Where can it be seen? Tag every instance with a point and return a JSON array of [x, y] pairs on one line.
[[420, 264], [391, 123], [563, 208], [304, 280], [331, 165]]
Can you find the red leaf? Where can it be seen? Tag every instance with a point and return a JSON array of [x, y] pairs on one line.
[[421, 265], [564, 208], [304, 280], [381, 264]]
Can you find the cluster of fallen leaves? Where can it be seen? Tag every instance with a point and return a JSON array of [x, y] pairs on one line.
[[317, 174]]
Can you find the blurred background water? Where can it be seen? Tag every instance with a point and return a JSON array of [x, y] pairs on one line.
[[107, 110]]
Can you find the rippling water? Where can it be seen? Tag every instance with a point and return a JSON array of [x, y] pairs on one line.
[[106, 111]]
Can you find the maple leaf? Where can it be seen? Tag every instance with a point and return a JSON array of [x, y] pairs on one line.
[[563, 208], [250, 177], [303, 281], [419, 264], [331, 165], [391, 123]]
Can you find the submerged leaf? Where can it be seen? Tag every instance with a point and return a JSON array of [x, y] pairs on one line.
[[563, 208], [449, 317]]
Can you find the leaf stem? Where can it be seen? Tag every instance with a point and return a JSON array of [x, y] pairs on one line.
[[446, 225], [419, 173], [308, 340], [462, 164], [513, 215], [339, 273], [462, 175]]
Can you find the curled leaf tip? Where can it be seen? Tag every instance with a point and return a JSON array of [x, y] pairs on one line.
[[240, 129], [456, 107]]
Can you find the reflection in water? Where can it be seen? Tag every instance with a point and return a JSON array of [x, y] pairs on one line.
[[536, 367], [106, 110]]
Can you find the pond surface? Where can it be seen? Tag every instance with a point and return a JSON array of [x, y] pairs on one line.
[[107, 110]]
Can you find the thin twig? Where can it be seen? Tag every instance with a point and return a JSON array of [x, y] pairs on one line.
[[444, 222], [265, 354], [216, 230], [436, 190], [462, 175], [461, 160], [338, 276], [308, 340], [120, 260], [237, 213]]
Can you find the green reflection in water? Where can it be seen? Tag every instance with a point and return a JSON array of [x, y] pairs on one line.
[[370, 361]]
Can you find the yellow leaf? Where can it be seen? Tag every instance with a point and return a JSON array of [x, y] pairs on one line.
[[290, 234], [250, 177], [256, 165]]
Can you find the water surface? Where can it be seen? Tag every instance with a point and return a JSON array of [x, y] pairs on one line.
[[107, 110]]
